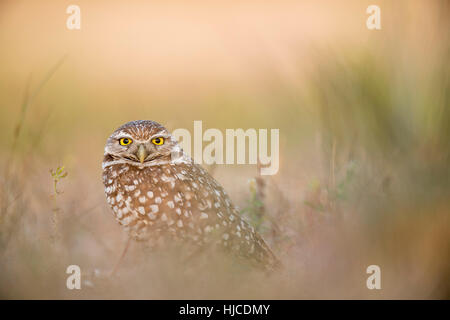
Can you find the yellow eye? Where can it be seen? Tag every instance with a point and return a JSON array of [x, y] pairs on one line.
[[125, 141], [158, 141]]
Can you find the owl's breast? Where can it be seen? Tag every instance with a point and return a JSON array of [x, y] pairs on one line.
[[182, 200]]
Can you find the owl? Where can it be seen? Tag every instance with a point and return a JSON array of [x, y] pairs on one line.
[[156, 191]]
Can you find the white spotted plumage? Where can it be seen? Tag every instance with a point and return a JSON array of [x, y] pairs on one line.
[[166, 191]]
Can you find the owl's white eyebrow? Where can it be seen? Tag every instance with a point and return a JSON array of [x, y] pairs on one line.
[[160, 134], [123, 135]]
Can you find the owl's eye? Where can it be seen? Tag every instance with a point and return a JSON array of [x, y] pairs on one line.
[[158, 141], [125, 141]]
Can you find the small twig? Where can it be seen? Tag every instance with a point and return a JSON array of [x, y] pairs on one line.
[[332, 171], [116, 266], [57, 175], [333, 165]]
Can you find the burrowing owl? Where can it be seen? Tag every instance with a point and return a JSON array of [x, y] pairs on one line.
[[156, 190]]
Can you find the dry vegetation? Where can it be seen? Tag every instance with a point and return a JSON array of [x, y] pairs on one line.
[[364, 176]]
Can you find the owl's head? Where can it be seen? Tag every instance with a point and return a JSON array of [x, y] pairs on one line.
[[140, 142]]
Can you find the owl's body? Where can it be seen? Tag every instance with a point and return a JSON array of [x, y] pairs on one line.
[[160, 193]]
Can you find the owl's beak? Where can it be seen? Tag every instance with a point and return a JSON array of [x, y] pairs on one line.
[[142, 153]]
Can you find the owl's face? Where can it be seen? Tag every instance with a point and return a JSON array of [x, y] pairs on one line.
[[140, 142]]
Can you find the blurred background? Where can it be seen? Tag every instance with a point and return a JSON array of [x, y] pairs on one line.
[[364, 125]]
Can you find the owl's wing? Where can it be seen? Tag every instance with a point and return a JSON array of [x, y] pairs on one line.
[[219, 220]]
